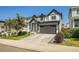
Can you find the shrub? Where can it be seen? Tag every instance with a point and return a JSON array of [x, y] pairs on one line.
[[14, 34], [75, 33], [72, 33], [59, 38], [63, 29], [68, 33], [21, 33], [4, 35], [0, 34]]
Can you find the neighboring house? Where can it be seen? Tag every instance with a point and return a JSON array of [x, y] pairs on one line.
[[26, 27], [74, 17], [49, 24], [2, 26], [63, 25], [67, 25]]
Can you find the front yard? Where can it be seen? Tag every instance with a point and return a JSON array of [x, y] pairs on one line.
[[18, 37], [71, 37], [72, 42]]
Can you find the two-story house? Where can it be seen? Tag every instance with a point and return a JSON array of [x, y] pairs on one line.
[[49, 24], [74, 17]]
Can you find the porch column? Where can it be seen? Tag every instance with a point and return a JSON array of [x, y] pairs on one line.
[[39, 28], [36, 28], [31, 28]]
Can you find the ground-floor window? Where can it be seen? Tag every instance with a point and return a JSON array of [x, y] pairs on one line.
[[76, 22]]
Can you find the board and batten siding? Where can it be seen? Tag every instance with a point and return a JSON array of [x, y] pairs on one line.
[[58, 17]]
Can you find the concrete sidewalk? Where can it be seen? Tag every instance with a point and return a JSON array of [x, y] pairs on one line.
[[39, 47]]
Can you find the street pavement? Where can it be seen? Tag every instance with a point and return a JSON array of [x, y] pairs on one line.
[[7, 48]]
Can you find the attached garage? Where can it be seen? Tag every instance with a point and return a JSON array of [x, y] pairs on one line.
[[48, 29]]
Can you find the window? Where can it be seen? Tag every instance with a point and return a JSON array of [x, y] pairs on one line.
[[76, 23], [53, 17], [41, 19], [77, 11], [2, 27]]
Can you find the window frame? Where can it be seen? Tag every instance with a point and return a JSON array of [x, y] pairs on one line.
[[53, 17], [2, 27], [78, 11]]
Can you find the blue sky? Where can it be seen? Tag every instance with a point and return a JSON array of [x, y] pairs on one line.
[[10, 11]]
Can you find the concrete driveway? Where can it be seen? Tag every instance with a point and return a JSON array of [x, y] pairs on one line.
[[40, 38]]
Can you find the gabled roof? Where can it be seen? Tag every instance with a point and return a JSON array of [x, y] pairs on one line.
[[42, 15], [34, 20], [55, 12], [34, 16]]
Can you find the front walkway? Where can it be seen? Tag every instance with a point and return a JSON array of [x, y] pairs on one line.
[[39, 43]]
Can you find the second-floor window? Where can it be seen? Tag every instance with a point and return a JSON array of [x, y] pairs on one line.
[[53, 17], [41, 19], [77, 11]]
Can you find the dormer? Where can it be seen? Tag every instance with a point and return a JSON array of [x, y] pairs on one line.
[[42, 17], [34, 16]]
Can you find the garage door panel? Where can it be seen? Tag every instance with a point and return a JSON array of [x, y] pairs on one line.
[[48, 29]]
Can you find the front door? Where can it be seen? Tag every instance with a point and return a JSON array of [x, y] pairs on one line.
[[34, 28]]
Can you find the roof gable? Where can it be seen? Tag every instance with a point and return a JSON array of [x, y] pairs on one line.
[[33, 20], [55, 12], [34, 17]]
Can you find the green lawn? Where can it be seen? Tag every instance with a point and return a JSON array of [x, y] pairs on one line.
[[72, 42], [16, 37]]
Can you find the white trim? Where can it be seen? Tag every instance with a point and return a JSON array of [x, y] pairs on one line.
[[73, 23], [39, 29], [57, 27], [35, 27]]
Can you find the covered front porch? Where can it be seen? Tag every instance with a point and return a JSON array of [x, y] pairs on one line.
[[50, 27], [34, 27]]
